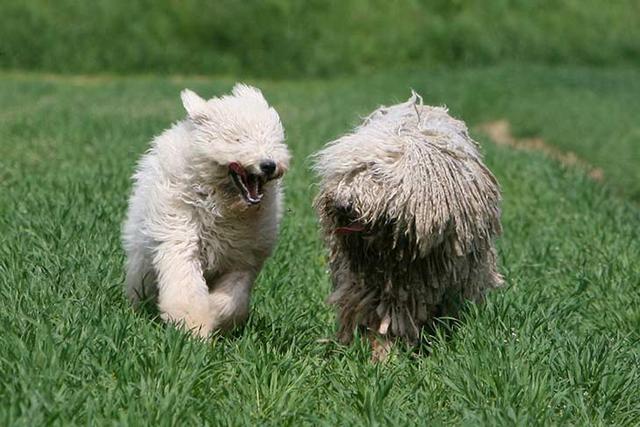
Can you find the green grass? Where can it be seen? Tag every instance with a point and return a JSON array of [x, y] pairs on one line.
[[559, 345], [310, 38]]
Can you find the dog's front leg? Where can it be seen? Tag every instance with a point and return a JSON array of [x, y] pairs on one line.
[[229, 299], [182, 290]]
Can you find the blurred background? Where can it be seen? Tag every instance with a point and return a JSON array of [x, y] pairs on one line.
[[314, 38]]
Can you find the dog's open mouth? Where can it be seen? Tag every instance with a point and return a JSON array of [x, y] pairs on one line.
[[353, 227], [250, 185], [347, 220]]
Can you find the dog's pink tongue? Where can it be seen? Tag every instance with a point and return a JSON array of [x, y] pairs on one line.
[[354, 227]]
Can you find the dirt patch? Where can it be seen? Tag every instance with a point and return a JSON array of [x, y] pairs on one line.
[[500, 133]]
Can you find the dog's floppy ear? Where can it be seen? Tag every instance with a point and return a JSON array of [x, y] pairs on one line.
[[242, 90], [194, 104]]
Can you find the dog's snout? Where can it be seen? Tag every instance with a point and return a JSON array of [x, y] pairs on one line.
[[343, 207], [268, 167]]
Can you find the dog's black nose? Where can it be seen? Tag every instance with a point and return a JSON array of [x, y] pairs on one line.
[[268, 167]]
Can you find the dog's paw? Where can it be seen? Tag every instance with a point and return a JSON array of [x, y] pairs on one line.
[[196, 320], [228, 311]]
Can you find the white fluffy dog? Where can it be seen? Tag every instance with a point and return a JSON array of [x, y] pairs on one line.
[[205, 209]]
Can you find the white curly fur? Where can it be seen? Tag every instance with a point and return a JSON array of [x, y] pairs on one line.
[[193, 244]]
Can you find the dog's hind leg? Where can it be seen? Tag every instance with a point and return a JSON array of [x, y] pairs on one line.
[[134, 283], [229, 299], [141, 280]]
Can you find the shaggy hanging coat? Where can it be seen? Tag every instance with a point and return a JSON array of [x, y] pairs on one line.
[[409, 213]]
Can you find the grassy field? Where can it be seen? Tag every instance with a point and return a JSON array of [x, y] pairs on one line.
[[310, 38], [558, 345]]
